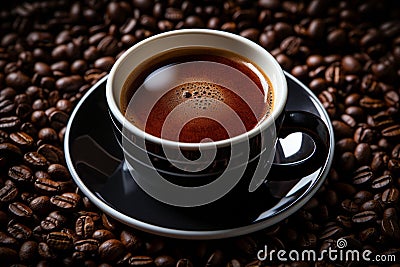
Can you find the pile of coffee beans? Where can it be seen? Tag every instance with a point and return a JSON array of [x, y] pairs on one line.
[[52, 52]]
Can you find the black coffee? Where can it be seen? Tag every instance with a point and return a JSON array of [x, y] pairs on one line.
[[197, 95]]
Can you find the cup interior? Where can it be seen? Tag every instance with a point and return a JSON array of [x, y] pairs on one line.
[[161, 43]]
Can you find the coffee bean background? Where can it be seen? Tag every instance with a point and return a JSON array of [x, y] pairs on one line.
[[52, 52]]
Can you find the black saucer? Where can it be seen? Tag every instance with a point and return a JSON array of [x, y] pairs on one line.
[[95, 161]]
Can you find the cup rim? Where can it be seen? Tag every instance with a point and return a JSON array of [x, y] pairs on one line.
[[265, 123]]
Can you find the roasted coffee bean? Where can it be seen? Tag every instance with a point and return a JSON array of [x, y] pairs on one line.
[[28, 252], [21, 174], [54, 221], [47, 186], [363, 134], [141, 261], [382, 181], [345, 221], [18, 230], [66, 201], [342, 130], [392, 132], [332, 231], [363, 153], [215, 259], [368, 216], [390, 228], [35, 160], [8, 192], [40, 204], [131, 241], [8, 241], [39, 118], [362, 175], [48, 135], [111, 250], [390, 196], [373, 205], [45, 251], [379, 161], [362, 196], [6, 107], [58, 119], [102, 235], [84, 227], [20, 210], [350, 206], [58, 172], [86, 245], [8, 256], [21, 139], [347, 161], [59, 240], [164, 261], [184, 263], [345, 145], [9, 123], [52, 153]]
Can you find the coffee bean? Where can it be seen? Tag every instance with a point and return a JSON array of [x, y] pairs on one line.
[[131, 241], [165, 261], [59, 240], [21, 139], [345, 145], [39, 118], [390, 228], [379, 161], [8, 192], [8, 255], [52, 153], [48, 135], [17, 80], [86, 245], [362, 196], [362, 175], [45, 251], [8, 241], [392, 132], [58, 172], [69, 83], [332, 231], [9, 123], [21, 174], [54, 221], [111, 250], [342, 130], [215, 259], [373, 205], [58, 119], [6, 107], [102, 235], [66, 201], [347, 161], [35, 160], [40, 204], [382, 182], [363, 134], [184, 263], [390, 196], [350, 206], [47, 186], [18, 230], [28, 252], [20, 210], [84, 227], [368, 216]]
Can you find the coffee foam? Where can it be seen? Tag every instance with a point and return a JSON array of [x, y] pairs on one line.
[[204, 94]]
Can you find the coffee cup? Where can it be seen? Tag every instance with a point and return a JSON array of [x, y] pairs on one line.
[[196, 172]]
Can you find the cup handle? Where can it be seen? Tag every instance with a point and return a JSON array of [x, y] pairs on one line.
[[317, 132]]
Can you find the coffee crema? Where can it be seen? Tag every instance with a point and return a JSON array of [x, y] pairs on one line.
[[197, 94]]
